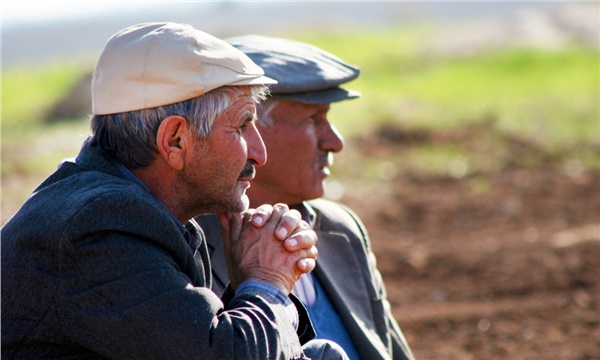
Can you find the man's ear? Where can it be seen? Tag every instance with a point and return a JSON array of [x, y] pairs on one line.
[[173, 139]]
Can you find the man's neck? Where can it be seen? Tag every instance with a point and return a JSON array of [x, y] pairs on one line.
[[162, 185]]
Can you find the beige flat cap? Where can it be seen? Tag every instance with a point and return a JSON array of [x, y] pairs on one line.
[[156, 64]]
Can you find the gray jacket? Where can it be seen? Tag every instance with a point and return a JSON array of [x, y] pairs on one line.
[[347, 271], [94, 266]]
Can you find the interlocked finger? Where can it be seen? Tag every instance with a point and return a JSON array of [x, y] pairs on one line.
[[304, 238]]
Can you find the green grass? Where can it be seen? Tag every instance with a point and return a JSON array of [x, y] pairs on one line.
[[553, 95], [532, 92], [28, 92]]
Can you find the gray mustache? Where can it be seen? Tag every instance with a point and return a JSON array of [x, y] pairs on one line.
[[248, 171]]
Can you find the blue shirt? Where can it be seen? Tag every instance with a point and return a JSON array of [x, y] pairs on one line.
[[328, 324]]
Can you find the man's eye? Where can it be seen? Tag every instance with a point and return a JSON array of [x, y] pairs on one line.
[[242, 128], [312, 119]]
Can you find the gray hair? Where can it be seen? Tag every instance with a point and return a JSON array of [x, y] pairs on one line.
[[130, 137], [264, 109]]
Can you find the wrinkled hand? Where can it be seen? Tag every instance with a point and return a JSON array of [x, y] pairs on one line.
[[271, 244]]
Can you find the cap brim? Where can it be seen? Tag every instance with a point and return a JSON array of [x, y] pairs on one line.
[[320, 97], [261, 80]]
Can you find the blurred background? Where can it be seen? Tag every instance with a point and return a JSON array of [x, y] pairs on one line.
[[473, 156]]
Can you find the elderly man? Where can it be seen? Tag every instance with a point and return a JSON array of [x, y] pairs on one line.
[[98, 264], [345, 295]]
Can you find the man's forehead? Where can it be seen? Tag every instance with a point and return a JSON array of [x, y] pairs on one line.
[[296, 105], [241, 109]]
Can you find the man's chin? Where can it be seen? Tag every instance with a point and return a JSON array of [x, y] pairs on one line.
[[245, 203], [241, 205]]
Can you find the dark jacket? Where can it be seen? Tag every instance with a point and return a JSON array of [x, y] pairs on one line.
[[347, 270], [94, 266]]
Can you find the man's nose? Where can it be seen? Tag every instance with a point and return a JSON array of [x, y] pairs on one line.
[[331, 139], [257, 152]]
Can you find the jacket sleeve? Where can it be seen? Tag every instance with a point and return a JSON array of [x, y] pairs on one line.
[[130, 289]]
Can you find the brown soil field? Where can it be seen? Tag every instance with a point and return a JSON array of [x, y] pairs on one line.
[[512, 272]]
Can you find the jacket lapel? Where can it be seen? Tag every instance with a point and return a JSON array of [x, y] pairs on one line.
[[219, 267], [212, 232], [338, 270]]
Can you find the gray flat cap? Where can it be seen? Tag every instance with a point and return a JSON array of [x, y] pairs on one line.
[[303, 72]]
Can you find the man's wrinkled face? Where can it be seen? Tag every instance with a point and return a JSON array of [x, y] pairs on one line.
[[223, 164], [300, 143]]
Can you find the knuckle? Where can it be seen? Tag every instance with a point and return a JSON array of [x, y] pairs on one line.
[[265, 207], [280, 207], [305, 237], [291, 219]]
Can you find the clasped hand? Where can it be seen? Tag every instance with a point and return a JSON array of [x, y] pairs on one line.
[[270, 243]]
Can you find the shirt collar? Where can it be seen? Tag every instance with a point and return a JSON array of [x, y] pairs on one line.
[[307, 213]]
